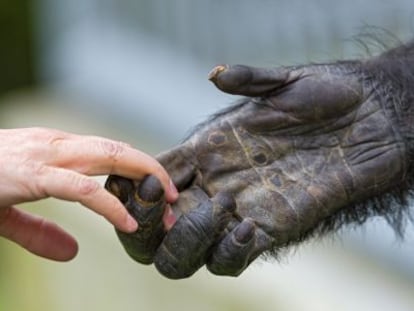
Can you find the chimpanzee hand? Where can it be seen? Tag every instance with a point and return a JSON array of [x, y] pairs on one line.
[[306, 143]]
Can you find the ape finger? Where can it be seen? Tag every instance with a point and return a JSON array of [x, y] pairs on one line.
[[179, 164], [249, 81], [146, 204], [232, 254], [185, 247]]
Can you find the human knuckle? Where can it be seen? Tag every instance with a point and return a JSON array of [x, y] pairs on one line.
[[51, 137], [88, 186], [39, 176], [35, 168], [113, 149], [37, 130], [41, 132]]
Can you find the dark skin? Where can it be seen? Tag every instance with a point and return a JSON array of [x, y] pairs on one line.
[[310, 148]]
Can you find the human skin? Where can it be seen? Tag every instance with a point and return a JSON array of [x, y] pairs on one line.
[[37, 163]]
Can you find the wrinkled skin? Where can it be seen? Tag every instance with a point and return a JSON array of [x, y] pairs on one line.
[[306, 143]]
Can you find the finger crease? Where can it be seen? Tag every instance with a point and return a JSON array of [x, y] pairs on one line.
[[114, 151]]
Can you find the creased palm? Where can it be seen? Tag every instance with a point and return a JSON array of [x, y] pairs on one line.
[[306, 143]]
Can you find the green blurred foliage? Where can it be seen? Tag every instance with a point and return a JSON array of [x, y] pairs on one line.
[[16, 45]]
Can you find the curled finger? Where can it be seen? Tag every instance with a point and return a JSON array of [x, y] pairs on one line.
[[145, 202], [232, 255], [185, 247], [238, 249]]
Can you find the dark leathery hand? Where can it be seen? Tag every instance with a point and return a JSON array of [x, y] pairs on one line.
[[311, 141], [186, 246], [238, 249], [145, 202]]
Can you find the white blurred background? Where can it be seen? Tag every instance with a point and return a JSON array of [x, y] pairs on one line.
[[136, 71]]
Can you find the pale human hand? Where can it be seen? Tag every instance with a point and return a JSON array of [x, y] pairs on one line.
[[37, 163]]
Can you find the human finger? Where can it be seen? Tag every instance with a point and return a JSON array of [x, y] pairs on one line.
[[93, 155], [185, 247], [249, 81], [71, 186], [37, 235]]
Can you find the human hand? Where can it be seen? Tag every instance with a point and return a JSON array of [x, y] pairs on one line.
[[301, 155], [37, 163]]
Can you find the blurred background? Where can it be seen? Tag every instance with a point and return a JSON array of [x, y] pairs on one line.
[[135, 70]]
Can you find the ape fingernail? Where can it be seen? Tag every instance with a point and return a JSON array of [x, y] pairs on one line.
[[119, 187], [215, 72], [150, 189], [244, 232]]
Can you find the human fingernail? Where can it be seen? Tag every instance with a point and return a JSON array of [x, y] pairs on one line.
[[173, 192], [131, 224]]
